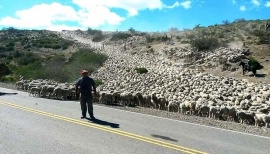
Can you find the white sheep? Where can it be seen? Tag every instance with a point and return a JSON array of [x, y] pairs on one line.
[[261, 118]]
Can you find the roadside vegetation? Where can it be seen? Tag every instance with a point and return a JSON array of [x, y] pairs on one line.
[[55, 67]]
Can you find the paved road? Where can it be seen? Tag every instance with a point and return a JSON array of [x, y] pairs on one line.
[[37, 125]]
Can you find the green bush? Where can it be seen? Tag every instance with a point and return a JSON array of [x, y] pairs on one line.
[[28, 58], [10, 44], [66, 43], [16, 54], [98, 38], [98, 82], [10, 48], [56, 46], [149, 39], [253, 62], [153, 38], [89, 56], [141, 70], [32, 70], [262, 35], [9, 57], [2, 49], [47, 45], [178, 38], [55, 68], [94, 31], [8, 79], [120, 36], [84, 59], [132, 30], [64, 47], [27, 46], [205, 43]]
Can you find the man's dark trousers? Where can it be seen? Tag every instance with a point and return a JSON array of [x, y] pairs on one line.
[[86, 99]]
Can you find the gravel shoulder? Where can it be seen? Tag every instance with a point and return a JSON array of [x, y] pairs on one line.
[[187, 118]]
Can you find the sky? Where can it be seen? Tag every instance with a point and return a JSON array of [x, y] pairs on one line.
[[121, 15]]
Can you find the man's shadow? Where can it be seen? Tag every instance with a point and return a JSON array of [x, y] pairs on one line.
[[1, 93], [105, 123]]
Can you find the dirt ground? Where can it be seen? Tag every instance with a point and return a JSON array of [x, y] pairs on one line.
[[260, 53]]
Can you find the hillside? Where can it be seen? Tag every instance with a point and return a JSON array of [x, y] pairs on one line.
[[22, 47]]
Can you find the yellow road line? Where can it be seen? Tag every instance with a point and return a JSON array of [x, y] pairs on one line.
[[107, 129]]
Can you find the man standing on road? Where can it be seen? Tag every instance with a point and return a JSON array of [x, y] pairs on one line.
[[84, 87]]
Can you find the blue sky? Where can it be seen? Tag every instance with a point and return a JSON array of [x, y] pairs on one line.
[[142, 15]]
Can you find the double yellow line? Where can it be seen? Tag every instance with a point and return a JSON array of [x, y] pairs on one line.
[[107, 129]]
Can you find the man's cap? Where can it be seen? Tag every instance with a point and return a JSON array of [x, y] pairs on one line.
[[84, 71]]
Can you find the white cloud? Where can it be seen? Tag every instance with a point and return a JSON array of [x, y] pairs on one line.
[[131, 6], [90, 13], [98, 16], [176, 4], [255, 2], [267, 4], [233, 1], [243, 8], [42, 15], [186, 4]]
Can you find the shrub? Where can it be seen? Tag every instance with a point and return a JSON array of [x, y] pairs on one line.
[[253, 62], [132, 30], [64, 47], [98, 37], [94, 31], [141, 70], [9, 57], [28, 58], [10, 44], [98, 82], [2, 49], [262, 35], [84, 59], [17, 54], [47, 45], [56, 46], [9, 48], [88, 56], [55, 68], [178, 38], [205, 43], [8, 79], [66, 42], [149, 39], [120, 36], [239, 20], [27, 46]]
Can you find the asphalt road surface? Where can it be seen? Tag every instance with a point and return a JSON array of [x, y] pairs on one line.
[[37, 125]]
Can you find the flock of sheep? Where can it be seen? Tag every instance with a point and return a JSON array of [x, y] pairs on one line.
[[167, 86], [47, 89]]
